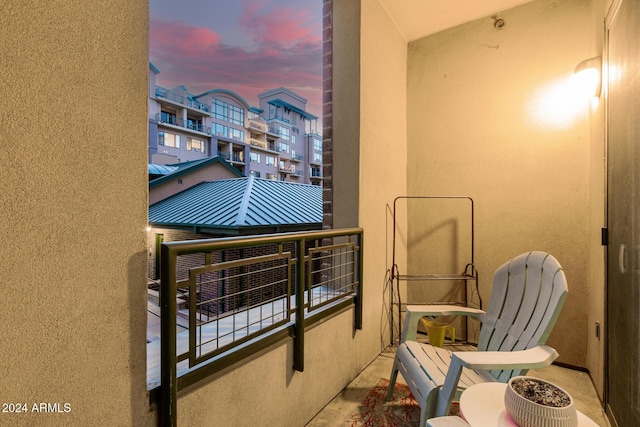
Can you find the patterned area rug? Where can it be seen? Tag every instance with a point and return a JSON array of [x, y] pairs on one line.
[[401, 411]]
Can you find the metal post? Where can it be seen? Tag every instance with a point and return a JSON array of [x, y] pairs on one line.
[[298, 340], [168, 374], [359, 256]]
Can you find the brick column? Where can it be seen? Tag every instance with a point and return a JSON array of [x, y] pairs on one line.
[[327, 114]]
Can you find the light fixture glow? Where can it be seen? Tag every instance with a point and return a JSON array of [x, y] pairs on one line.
[[587, 76], [148, 228]]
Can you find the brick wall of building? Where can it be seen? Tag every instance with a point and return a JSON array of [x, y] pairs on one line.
[[327, 114]]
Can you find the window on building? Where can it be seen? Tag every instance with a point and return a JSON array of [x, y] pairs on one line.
[[168, 117], [270, 160], [236, 134], [317, 144], [255, 157], [220, 110], [293, 139], [283, 148], [195, 144], [220, 130], [317, 157], [236, 115], [285, 133], [168, 139], [255, 174]]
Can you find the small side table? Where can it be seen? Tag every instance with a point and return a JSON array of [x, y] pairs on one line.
[[482, 405]]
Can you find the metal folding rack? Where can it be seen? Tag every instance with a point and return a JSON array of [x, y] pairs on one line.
[[470, 274]]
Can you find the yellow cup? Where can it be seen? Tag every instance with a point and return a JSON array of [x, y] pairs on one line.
[[437, 330]]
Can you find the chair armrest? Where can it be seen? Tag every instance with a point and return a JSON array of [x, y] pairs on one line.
[[415, 312], [533, 358], [444, 310]]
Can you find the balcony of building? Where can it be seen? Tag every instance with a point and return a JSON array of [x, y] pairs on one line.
[[258, 143], [297, 158], [193, 125], [166, 96], [235, 157], [287, 169], [464, 110], [315, 174], [234, 297], [257, 124]]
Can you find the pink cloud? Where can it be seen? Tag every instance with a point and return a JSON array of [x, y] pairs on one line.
[[182, 38], [197, 58], [283, 25]]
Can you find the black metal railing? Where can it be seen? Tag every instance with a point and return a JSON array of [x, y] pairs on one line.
[[247, 293]]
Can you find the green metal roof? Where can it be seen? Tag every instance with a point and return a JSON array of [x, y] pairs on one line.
[[160, 169], [180, 169], [241, 206]]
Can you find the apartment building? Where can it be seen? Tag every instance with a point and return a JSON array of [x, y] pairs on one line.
[[277, 140]]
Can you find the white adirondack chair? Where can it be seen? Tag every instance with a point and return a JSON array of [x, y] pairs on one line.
[[528, 293]]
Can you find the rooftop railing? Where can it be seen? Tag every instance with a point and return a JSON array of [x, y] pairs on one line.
[[244, 294], [181, 99]]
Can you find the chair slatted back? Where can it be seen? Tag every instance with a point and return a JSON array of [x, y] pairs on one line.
[[528, 293]]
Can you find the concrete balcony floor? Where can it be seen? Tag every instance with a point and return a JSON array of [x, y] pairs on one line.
[[577, 383]]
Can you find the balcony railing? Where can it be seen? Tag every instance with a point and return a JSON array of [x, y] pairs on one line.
[[258, 143], [257, 124], [239, 305], [287, 168], [274, 130], [297, 158], [235, 157], [179, 121], [181, 99]]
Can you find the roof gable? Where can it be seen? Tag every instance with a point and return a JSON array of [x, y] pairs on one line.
[[183, 168], [241, 206]]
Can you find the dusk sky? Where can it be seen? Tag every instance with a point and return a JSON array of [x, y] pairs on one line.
[[247, 46]]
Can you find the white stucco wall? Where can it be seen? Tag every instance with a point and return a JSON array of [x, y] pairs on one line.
[[490, 116]]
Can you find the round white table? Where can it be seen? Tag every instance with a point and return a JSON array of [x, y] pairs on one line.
[[482, 405]]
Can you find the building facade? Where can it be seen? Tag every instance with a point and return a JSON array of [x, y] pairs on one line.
[[277, 140]]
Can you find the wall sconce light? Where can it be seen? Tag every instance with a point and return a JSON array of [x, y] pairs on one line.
[[588, 76]]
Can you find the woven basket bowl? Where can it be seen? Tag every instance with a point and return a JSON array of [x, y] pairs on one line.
[[527, 413]]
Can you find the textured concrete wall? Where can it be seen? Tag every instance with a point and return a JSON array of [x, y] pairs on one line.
[[491, 116], [383, 155], [73, 215]]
